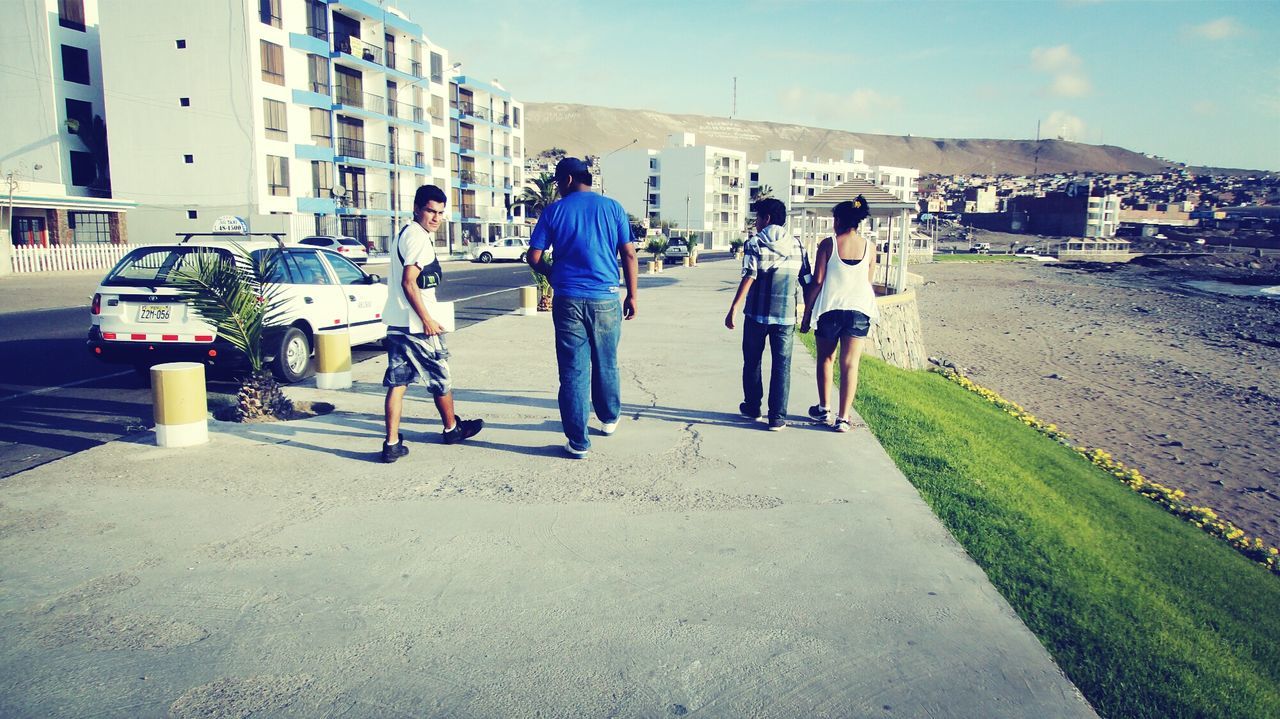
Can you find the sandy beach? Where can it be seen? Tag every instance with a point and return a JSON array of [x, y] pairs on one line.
[[1178, 382]]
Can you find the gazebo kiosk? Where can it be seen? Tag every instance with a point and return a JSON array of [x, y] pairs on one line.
[[885, 207]]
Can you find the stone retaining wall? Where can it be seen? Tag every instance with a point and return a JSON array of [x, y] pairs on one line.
[[898, 338]]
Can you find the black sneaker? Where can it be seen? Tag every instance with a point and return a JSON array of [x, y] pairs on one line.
[[392, 452], [820, 414], [462, 429], [749, 413], [777, 424]]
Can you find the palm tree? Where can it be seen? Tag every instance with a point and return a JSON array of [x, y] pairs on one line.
[[238, 297], [537, 198], [763, 192]]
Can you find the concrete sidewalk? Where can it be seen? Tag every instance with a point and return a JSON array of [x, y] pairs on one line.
[[693, 565]]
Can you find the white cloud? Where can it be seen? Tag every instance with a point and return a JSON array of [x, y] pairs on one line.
[[829, 106], [1054, 59], [1065, 69], [1063, 126], [1220, 29], [1070, 85]]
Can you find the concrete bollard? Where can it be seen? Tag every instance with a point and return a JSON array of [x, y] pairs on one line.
[[333, 360], [179, 403], [653, 267], [528, 301], [688, 262]]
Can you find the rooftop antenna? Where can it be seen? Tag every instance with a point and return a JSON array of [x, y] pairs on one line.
[[1036, 171], [734, 110]]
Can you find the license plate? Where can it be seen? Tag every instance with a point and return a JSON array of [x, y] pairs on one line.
[[154, 313]]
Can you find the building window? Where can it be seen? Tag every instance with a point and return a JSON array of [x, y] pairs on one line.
[[82, 172], [437, 67], [191, 214], [278, 175], [189, 159], [272, 63], [184, 101], [269, 11], [182, 44], [515, 117], [89, 227], [321, 130], [437, 107], [317, 19], [321, 179], [274, 119], [71, 14], [318, 73], [81, 112], [437, 151], [75, 64]]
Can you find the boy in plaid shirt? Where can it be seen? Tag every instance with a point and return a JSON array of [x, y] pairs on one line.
[[771, 266]]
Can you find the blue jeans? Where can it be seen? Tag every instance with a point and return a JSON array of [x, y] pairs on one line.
[[587, 333], [780, 338]]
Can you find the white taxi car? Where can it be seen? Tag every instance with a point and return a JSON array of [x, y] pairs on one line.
[[507, 248], [139, 317]]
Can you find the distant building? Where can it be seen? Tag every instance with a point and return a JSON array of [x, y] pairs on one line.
[[700, 188], [1078, 211], [979, 200], [55, 185], [487, 145]]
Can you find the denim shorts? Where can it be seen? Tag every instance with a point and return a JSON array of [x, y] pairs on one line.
[[834, 324], [417, 359]]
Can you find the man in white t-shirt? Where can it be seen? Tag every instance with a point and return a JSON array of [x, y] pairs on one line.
[[416, 352]]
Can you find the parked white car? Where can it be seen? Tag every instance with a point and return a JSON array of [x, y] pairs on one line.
[[348, 247], [138, 317], [507, 248]]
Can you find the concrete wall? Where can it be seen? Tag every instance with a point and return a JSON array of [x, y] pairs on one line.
[[898, 338], [624, 176]]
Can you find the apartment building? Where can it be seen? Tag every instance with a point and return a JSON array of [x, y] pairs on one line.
[[57, 186], [486, 143], [299, 116], [698, 188], [796, 181]]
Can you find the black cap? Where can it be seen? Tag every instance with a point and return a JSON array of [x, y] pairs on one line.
[[570, 166]]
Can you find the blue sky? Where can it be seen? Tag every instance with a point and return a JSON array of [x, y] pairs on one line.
[[1196, 82]]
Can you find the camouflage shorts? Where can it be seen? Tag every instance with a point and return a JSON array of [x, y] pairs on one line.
[[417, 359]]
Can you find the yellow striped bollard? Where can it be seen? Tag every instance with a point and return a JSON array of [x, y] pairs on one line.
[[528, 301], [333, 360], [179, 403]]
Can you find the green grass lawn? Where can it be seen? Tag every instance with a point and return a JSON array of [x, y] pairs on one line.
[[1148, 615], [966, 257]]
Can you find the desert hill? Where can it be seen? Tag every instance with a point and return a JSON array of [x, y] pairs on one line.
[[592, 130]]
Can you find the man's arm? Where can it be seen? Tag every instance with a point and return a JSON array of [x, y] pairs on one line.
[[630, 270], [743, 286], [535, 259], [409, 286], [819, 276]]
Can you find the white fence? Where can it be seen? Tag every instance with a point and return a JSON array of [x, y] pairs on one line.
[[64, 258]]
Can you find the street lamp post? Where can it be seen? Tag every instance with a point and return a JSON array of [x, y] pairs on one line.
[[602, 159]]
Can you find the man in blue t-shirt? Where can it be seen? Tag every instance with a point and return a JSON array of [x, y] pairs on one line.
[[586, 233]]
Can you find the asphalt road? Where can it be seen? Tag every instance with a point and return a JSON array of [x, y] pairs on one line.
[[56, 399]]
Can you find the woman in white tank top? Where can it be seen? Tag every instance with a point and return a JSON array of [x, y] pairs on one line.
[[842, 299]]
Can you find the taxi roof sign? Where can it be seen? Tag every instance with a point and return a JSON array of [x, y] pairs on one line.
[[231, 223]]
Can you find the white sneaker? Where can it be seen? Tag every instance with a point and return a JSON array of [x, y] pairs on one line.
[[609, 428], [575, 453]]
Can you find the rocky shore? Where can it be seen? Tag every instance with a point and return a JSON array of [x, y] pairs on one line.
[[1170, 378]]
